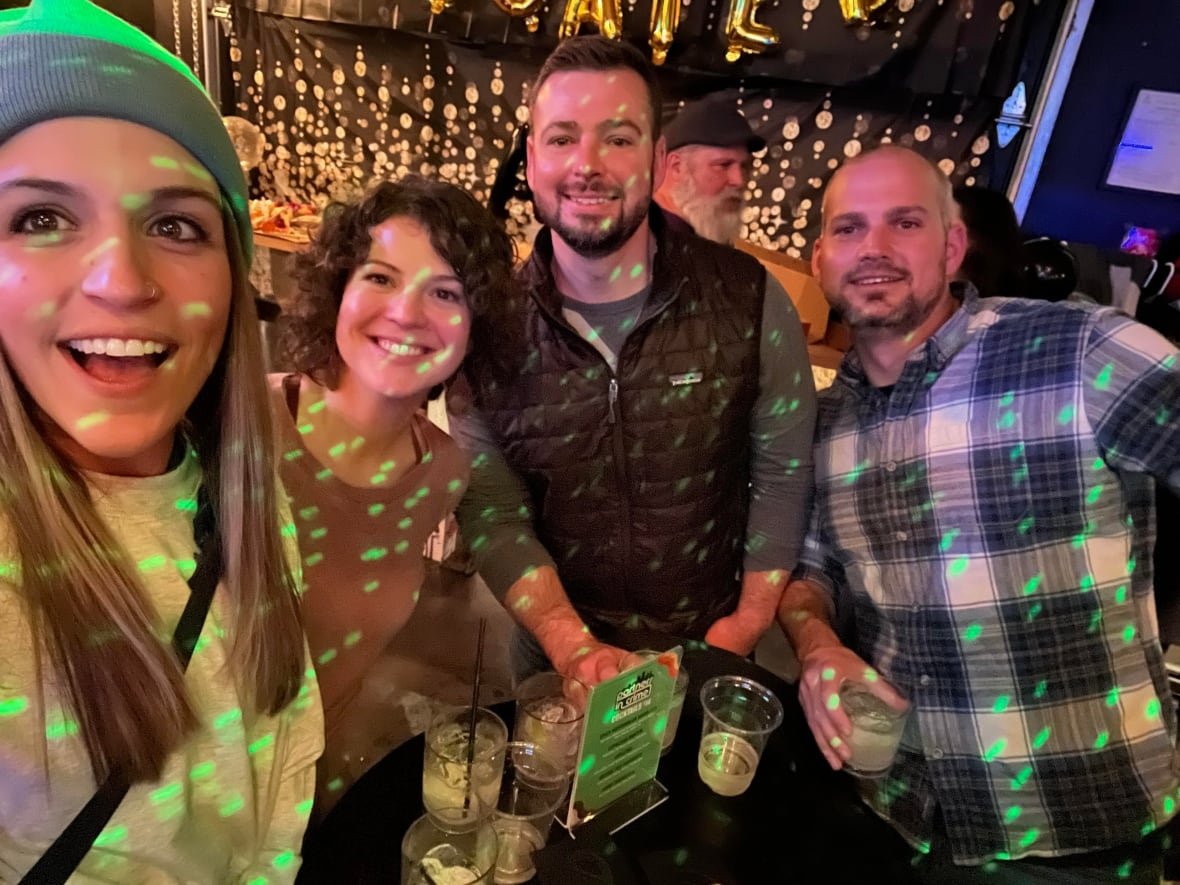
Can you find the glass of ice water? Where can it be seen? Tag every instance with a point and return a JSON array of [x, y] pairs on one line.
[[452, 780], [739, 716], [550, 713]]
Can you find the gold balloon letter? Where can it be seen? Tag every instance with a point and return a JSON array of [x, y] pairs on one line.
[[665, 19], [859, 12], [603, 13], [743, 33], [526, 9]]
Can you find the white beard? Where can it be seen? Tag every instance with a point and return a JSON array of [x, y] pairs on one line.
[[709, 216]]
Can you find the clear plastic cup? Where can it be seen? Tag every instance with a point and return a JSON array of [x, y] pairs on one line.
[[876, 730], [739, 716], [534, 788], [449, 779], [550, 712]]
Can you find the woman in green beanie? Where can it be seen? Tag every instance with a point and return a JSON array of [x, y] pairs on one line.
[[137, 483]]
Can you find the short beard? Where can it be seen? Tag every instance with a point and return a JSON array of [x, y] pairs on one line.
[[708, 215], [596, 243], [903, 319]]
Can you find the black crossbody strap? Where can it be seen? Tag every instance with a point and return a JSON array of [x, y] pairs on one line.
[[63, 856]]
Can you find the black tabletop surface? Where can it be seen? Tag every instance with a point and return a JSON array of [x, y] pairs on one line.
[[799, 821]]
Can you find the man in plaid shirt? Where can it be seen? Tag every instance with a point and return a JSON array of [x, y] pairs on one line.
[[984, 478]]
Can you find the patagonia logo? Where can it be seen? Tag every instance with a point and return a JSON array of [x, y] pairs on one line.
[[687, 378]]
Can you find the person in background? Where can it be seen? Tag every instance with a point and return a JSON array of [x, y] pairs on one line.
[[710, 148], [642, 459], [134, 445], [994, 263], [984, 473], [388, 293]]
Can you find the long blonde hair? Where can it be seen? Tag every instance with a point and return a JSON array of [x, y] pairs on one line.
[[90, 611]]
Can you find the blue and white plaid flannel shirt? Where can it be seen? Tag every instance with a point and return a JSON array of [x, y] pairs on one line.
[[991, 520]]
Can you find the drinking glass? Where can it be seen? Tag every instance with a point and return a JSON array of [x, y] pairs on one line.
[[449, 779], [459, 853], [550, 712], [876, 730], [533, 789], [739, 715]]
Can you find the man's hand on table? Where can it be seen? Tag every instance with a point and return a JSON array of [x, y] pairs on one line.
[[824, 669]]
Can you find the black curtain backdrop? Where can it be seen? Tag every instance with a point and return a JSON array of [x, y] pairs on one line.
[[343, 101]]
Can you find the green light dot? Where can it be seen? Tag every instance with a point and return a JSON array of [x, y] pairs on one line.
[[1094, 494], [201, 770], [373, 554], [304, 807], [1152, 710], [376, 509], [995, 750], [225, 720], [1030, 837], [164, 793], [404, 523], [1066, 415], [261, 744], [152, 562], [828, 674], [231, 806], [948, 538], [196, 310], [318, 533], [186, 505], [161, 162], [957, 567], [1039, 691], [833, 701], [1041, 738], [453, 485], [1006, 421], [1112, 697], [111, 836], [1169, 805], [61, 729], [1001, 703], [870, 675], [337, 450], [314, 559], [327, 656], [1102, 740], [1087, 584], [1120, 595], [1031, 585], [587, 765], [371, 586], [401, 546], [284, 860], [972, 632], [1129, 633], [92, 420], [352, 638], [1102, 382], [316, 407], [1013, 813]]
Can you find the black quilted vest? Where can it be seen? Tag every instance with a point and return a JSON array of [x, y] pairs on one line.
[[641, 480]]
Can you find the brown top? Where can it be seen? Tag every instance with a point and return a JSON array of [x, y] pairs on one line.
[[362, 550]]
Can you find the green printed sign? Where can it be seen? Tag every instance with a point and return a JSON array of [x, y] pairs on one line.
[[625, 721]]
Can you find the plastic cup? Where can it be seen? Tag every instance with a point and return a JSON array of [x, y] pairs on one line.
[[876, 730], [739, 716], [550, 712], [459, 853], [533, 789], [449, 781]]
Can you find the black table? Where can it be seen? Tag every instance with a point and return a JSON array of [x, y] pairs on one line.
[[798, 822]]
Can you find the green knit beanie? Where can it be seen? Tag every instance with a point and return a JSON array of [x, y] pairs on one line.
[[68, 58]]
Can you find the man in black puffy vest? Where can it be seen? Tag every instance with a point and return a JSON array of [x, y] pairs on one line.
[[640, 425]]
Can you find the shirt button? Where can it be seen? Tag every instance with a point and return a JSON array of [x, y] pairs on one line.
[[936, 753], [924, 679], [901, 536], [890, 466], [915, 609]]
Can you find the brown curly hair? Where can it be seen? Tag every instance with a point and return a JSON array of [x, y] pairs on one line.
[[462, 232]]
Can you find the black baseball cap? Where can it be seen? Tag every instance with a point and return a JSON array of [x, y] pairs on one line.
[[712, 123]]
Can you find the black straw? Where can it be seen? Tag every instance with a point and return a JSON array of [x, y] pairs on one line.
[[483, 626]]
